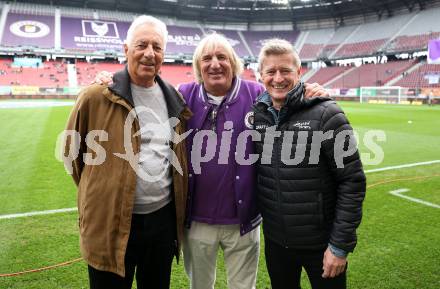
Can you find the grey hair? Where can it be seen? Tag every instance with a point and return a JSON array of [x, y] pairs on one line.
[[211, 41], [277, 46], [147, 19]]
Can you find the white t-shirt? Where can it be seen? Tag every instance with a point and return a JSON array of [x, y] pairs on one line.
[[153, 179], [215, 99]]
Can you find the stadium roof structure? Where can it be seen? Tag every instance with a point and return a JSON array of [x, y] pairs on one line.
[[251, 11]]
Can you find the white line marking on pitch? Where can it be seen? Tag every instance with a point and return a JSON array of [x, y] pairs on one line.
[[7, 104], [398, 193], [12, 216], [402, 166]]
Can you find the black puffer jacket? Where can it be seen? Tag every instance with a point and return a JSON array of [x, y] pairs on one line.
[[308, 203]]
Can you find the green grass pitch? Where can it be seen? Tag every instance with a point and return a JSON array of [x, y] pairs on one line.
[[399, 239]]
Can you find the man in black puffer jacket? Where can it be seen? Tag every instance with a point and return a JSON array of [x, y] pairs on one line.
[[311, 184]]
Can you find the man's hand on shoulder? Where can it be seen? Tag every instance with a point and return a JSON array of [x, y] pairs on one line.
[[103, 77], [333, 265], [314, 89]]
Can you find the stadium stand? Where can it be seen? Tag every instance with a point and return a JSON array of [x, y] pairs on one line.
[[255, 39], [422, 27], [359, 49], [326, 74], [314, 43], [77, 12], [73, 32], [31, 9], [177, 74], [371, 74], [410, 43], [86, 71], [420, 77], [248, 74], [115, 15], [336, 40], [402, 32], [370, 37], [51, 74]]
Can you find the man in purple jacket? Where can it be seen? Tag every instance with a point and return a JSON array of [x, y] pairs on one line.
[[221, 211]]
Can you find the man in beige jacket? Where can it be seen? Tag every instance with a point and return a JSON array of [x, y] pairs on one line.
[[130, 168]]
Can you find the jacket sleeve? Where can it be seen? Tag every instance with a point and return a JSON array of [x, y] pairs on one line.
[[345, 164], [74, 141]]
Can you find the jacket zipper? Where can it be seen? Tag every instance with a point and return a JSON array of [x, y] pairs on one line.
[[278, 163], [278, 145], [269, 118]]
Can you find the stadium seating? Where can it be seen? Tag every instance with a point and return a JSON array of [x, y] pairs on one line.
[[420, 77], [310, 51], [51, 74], [32, 9], [314, 42], [326, 74], [422, 27], [339, 36], [411, 43], [176, 74], [364, 48], [402, 33], [255, 39], [328, 50], [86, 72], [54, 73], [77, 12], [372, 74], [115, 15]]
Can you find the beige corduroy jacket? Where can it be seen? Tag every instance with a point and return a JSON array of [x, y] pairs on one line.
[[106, 188]]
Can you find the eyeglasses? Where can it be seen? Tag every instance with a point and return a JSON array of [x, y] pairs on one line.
[[213, 119]]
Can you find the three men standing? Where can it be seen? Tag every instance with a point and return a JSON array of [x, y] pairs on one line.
[[129, 222]]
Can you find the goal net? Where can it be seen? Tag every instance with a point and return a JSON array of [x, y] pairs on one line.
[[386, 94]]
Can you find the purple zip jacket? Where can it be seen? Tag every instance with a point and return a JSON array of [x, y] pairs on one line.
[[221, 191]]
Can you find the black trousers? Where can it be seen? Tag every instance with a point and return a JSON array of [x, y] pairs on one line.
[[150, 251], [285, 264]]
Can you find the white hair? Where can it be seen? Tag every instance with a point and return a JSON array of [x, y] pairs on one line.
[[147, 19], [210, 42]]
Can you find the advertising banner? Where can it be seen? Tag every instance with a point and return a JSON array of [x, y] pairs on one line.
[[25, 90], [431, 92], [51, 90], [93, 35], [29, 30], [71, 90], [5, 90], [182, 39], [349, 91]]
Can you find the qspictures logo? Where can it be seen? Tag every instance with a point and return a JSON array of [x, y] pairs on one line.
[[207, 144], [29, 29]]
